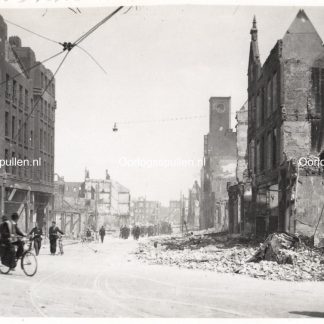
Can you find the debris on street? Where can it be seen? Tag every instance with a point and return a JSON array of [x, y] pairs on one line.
[[280, 257]]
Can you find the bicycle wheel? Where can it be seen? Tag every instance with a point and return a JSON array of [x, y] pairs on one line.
[[29, 263], [4, 269]]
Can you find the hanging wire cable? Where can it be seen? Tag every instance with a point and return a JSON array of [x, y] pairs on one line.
[[85, 51], [32, 67], [162, 120], [41, 96], [32, 32], [67, 46], [91, 30]]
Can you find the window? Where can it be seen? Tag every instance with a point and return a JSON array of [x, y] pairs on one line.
[[7, 158], [262, 106], [25, 167], [19, 167], [31, 138], [258, 110], [258, 166], [318, 88], [45, 141], [14, 90], [269, 98], [25, 134], [275, 92], [13, 129], [13, 168], [42, 80], [8, 85], [269, 150], [41, 107], [44, 173], [40, 139], [262, 151], [6, 123], [274, 148], [20, 95], [19, 134], [26, 99]]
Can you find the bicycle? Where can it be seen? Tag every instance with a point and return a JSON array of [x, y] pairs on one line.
[[60, 244], [28, 261]]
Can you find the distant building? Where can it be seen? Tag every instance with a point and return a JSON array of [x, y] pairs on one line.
[[175, 212], [109, 200], [146, 211], [26, 133], [194, 207], [91, 203], [69, 212], [219, 165]]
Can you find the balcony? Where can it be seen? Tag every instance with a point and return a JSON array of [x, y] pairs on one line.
[[7, 95], [21, 104]]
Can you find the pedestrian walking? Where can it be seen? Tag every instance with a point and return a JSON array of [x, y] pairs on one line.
[[53, 236], [36, 235], [102, 233]]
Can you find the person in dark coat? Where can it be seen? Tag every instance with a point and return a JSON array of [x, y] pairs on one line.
[[16, 231], [36, 235], [102, 233], [53, 236], [9, 233]]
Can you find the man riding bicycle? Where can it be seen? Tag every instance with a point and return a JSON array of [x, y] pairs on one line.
[[9, 237]]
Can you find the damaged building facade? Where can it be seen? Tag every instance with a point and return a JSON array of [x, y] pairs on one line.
[[219, 165], [239, 193], [286, 124], [27, 122]]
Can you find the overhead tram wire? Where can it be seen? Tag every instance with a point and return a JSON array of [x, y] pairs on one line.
[[161, 120], [32, 67], [91, 30], [67, 46], [94, 60], [41, 96], [32, 32]]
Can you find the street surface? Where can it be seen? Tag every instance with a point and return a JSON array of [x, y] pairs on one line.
[[112, 283]]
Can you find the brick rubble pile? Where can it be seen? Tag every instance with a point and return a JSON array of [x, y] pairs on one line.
[[222, 254]]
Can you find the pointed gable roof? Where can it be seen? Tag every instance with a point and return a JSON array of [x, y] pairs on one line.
[[302, 25], [301, 40]]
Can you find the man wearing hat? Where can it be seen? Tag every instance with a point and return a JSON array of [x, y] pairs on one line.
[[53, 230]]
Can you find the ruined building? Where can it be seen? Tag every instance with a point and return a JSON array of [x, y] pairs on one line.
[[240, 192], [193, 207], [286, 123], [219, 165], [27, 122]]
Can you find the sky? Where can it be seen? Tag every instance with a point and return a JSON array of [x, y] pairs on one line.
[[162, 62]]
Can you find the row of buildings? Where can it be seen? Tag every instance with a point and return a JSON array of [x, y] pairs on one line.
[[90, 203], [252, 181], [27, 129]]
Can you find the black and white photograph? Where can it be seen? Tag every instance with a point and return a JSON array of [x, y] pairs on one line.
[[161, 161]]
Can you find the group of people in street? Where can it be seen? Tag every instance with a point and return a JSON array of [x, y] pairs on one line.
[[12, 245], [124, 232], [149, 230]]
